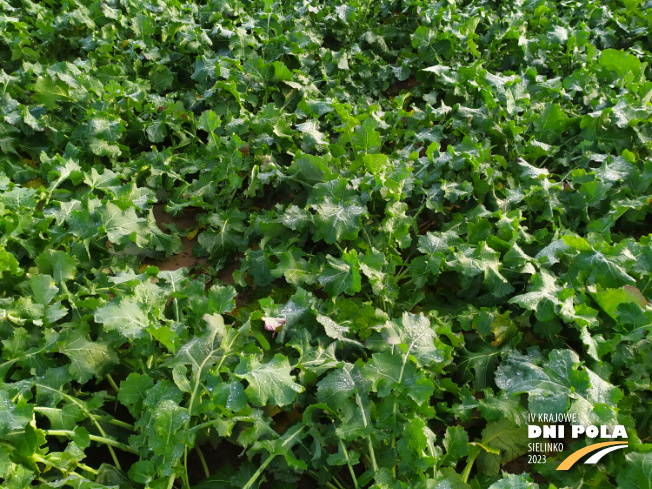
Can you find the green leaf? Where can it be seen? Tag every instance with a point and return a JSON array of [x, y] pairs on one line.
[[314, 359], [208, 121], [60, 265], [269, 383], [281, 72], [448, 478], [293, 267], [377, 164], [180, 377], [513, 481], [88, 359], [335, 220], [226, 232], [258, 267], [142, 471], [542, 298], [166, 435], [43, 288], [336, 331], [106, 180], [621, 63], [611, 299], [12, 417], [637, 472], [551, 123], [231, 396], [482, 360], [311, 132], [339, 385], [605, 269], [126, 317], [312, 169], [398, 223], [341, 275], [386, 371], [509, 443], [365, 139], [118, 224], [456, 443], [471, 261], [502, 406], [553, 387], [371, 266], [133, 391], [8, 262], [156, 132], [100, 147], [221, 298], [338, 212], [203, 351], [418, 339], [49, 92]]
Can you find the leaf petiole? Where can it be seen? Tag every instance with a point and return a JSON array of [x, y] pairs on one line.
[[269, 459], [113, 421], [98, 439], [348, 462], [469, 463], [88, 414], [202, 460]]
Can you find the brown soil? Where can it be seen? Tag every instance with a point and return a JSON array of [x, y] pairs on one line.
[[399, 86], [186, 220]]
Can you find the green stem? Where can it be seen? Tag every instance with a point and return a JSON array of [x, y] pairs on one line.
[[431, 449], [38, 458], [27, 355], [294, 179], [260, 470], [69, 296], [268, 460], [177, 314], [404, 268], [646, 286], [367, 237], [395, 407], [87, 468], [121, 424], [113, 421], [469, 464], [88, 414], [401, 275], [112, 382], [7, 445], [195, 390], [370, 445], [200, 454], [315, 476], [419, 212], [186, 477], [394, 442], [205, 424], [99, 439], [171, 482], [348, 462], [339, 484]]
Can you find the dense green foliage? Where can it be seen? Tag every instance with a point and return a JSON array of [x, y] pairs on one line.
[[430, 216]]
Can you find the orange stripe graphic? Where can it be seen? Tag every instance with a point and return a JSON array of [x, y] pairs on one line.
[[575, 456]]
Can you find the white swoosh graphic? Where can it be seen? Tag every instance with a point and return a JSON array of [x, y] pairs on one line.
[[601, 453]]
